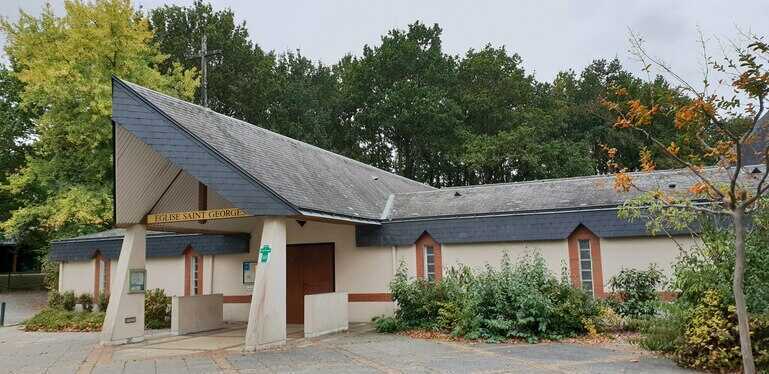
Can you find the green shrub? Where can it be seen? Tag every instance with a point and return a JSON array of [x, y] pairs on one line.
[[68, 300], [710, 265], [55, 299], [608, 320], [86, 301], [385, 324], [662, 333], [157, 309], [636, 291], [518, 300], [62, 320], [711, 341], [103, 301], [50, 272]]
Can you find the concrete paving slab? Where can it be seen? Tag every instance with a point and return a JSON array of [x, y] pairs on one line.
[[140, 367], [644, 365], [149, 354], [549, 353], [201, 365]]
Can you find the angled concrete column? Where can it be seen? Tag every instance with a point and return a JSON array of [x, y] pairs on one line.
[[124, 321], [267, 316]]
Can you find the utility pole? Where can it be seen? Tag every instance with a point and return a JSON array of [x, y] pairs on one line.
[[203, 55]]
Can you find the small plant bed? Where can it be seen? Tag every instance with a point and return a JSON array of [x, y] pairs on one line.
[[54, 320], [67, 312]]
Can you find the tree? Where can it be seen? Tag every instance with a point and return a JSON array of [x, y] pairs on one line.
[[303, 102], [727, 129], [65, 65], [16, 134], [512, 129], [397, 105], [240, 80]]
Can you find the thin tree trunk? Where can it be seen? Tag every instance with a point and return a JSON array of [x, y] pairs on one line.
[[748, 364]]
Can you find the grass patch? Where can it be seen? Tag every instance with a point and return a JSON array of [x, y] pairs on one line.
[[62, 320]]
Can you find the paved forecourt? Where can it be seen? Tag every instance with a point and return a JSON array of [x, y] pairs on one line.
[[359, 351]]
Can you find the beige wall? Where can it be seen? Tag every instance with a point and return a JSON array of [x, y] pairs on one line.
[[368, 270], [478, 255], [77, 277], [162, 272], [639, 253], [166, 273]]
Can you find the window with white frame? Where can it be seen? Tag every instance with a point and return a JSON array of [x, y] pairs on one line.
[[195, 285], [430, 262], [585, 266]]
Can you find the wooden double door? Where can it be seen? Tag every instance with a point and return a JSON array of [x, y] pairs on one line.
[[309, 270]]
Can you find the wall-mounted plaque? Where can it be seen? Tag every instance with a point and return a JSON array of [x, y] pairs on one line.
[[249, 271], [137, 280]]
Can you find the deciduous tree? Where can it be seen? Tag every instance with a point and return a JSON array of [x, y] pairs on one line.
[[723, 123], [65, 64]]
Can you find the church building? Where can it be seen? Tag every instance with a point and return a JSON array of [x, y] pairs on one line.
[[206, 204]]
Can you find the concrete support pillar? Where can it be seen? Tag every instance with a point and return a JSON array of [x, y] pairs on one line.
[[124, 321], [267, 316]]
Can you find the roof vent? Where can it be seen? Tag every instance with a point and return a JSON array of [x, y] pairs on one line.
[[457, 194], [375, 178], [756, 171], [672, 185]]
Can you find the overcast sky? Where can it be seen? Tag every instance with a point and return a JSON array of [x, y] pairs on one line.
[[549, 35]]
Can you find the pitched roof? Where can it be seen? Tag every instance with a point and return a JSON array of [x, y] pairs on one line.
[[543, 195], [308, 177], [752, 154]]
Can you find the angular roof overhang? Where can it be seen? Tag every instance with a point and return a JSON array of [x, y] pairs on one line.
[[181, 150]]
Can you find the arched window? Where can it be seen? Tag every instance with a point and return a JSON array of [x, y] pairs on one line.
[[429, 264]]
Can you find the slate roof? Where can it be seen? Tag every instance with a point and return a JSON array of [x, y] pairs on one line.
[[159, 244], [516, 227], [752, 153], [308, 177], [543, 195]]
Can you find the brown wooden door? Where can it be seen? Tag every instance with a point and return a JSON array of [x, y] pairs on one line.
[[309, 270]]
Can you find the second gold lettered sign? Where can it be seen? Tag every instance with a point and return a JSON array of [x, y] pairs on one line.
[[195, 215]]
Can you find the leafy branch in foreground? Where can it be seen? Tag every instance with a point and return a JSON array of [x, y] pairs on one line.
[[724, 150]]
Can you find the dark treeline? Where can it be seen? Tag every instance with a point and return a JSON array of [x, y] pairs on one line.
[[407, 106]]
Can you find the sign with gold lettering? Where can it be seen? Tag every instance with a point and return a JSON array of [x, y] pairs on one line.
[[195, 215]]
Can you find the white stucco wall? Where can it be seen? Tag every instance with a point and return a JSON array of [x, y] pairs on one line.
[[77, 277], [478, 255], [166, 273], [639, 253]]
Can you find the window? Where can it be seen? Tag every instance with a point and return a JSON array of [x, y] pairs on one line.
[[104, 275], [101, 277], [585, 266], [195, 286], [430, 262]]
